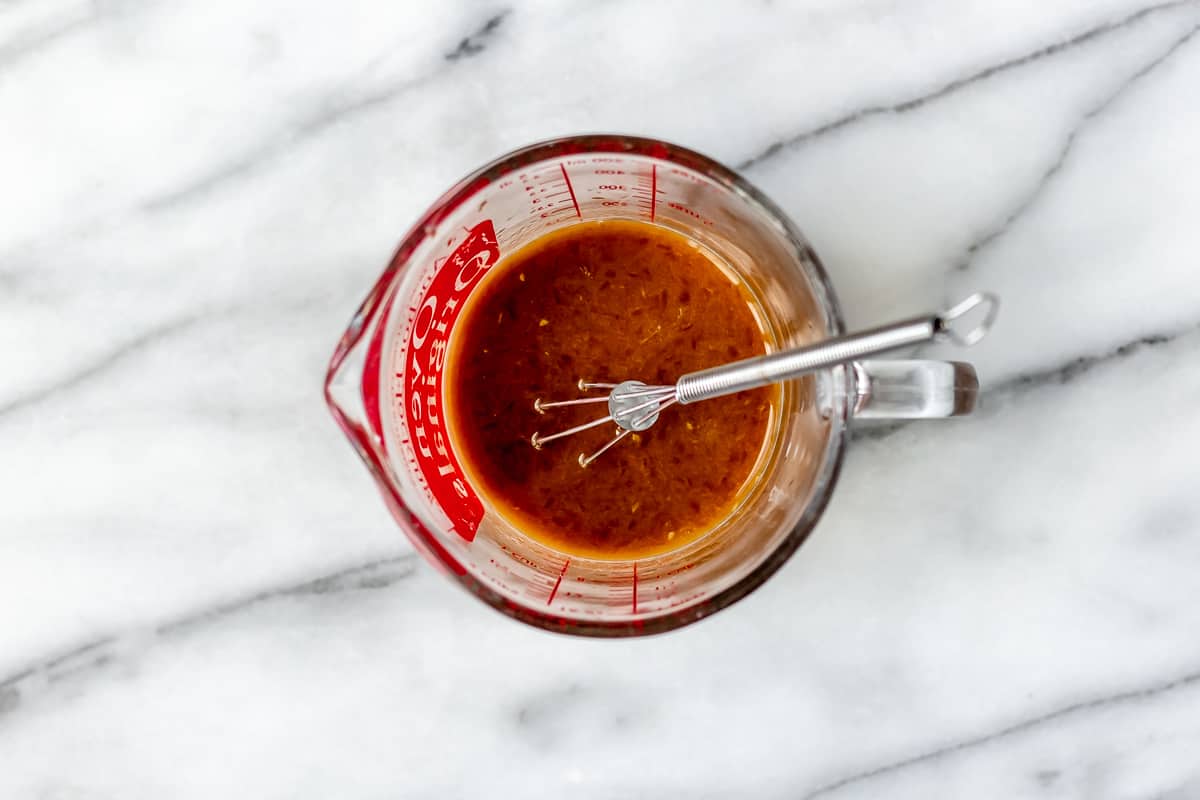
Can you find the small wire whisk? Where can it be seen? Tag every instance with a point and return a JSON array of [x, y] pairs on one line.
[[634, 406]]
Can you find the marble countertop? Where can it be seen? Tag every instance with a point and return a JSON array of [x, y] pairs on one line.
[[202, 596]]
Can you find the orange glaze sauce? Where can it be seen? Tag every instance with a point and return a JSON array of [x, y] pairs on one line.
[[604, 301]]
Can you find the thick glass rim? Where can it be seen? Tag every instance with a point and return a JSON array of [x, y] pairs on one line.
[[375, 307]]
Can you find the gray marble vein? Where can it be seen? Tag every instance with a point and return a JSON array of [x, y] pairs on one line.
[[1083, 707], [86, 658], [59, 28], [473, 44], [1026, 203], [958, 84], [1058, 374], [339, 107], [1081, 365], [118, 354]]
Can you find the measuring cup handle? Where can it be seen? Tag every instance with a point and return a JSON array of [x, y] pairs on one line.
[[887, 389]]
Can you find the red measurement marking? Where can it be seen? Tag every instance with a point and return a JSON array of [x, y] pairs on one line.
[[635, 587], [570, 189], [685, 210], [654, 188], [558, 582]]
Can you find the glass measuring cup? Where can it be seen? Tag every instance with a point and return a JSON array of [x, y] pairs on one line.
[[384, 384]]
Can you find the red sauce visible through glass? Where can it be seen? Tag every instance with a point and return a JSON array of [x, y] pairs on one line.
[[604, 301]]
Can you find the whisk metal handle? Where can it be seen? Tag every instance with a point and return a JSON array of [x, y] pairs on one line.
[[752, 373]]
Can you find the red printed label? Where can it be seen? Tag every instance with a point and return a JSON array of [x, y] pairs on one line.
[[433, 319]]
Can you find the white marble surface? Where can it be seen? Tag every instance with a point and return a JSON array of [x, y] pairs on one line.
[[202, 596]]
